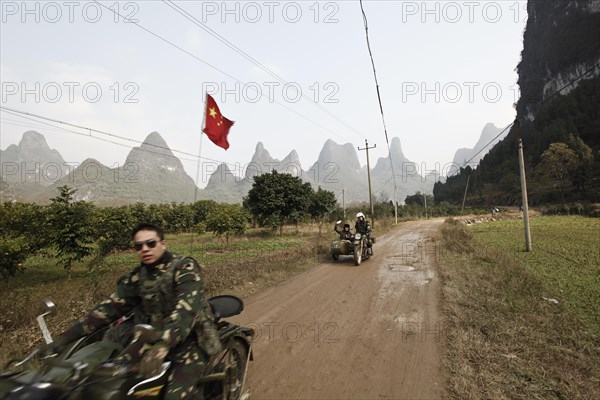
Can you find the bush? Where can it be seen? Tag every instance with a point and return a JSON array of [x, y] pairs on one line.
[[13, 252]]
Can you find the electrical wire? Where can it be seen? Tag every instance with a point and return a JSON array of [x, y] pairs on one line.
[[217, 69], [29, 116], [378, 93], [254, 61], [534, 108]]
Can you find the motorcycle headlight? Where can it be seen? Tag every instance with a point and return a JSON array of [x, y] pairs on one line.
[[357, 236]]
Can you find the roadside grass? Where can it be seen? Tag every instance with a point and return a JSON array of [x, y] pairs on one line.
[[249, 264], [522, 325]]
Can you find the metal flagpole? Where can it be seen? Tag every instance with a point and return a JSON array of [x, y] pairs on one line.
[[198, 165], [200, 146]]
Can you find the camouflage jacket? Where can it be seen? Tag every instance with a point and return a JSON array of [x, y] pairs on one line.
[[169, 295], [362, 227]]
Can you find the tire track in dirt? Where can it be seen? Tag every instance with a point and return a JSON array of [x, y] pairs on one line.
[[344, 332]]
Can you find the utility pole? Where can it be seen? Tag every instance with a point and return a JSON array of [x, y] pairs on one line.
[[465, 196], [523, 188], [367, 148], [344, 202], [395, 206]]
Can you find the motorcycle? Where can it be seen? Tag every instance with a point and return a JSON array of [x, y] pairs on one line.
[[88, 369], [357, 247], [362, 251]]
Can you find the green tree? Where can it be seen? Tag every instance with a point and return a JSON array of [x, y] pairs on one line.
[[226, 220], [71, 231], [322, 203], [13, 251], [113, 230], [278, 199], [584, 153], [558, 162], [26, 220], [419, 199], [202, 209]]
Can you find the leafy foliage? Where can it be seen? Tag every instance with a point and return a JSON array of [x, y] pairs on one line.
[[322, 203], [227, 219], [25, 220], [573, 119], [113, 229], [419, 199], [13, 252], [558, 162], [277, 199], [71, 231]]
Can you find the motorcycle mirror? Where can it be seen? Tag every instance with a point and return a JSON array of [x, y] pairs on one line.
[[49, 307]]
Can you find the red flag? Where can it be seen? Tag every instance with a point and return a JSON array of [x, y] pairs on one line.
[[216, 126]]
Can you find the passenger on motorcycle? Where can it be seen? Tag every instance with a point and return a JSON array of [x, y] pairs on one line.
[[166, 291], [346, 233], [363, 227]]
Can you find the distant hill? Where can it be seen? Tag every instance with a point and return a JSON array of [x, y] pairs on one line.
[[482, 147], [32, 161], [152, 174]]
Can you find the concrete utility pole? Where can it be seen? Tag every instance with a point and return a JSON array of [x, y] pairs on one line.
[[395, 206], [367, 148], [523, 188], [465, 195], [344, 202]]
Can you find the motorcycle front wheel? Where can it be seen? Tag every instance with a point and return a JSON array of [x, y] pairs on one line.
[[357, 254], [236, 371]]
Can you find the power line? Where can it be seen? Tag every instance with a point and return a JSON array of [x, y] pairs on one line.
[[378, 96], [254, 61], [28, 116], [57, 128], [536, 107], [216, 69]]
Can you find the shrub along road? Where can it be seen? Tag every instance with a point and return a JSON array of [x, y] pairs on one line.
[[343, 331]]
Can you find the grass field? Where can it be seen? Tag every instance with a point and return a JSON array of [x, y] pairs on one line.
[[522, 324]]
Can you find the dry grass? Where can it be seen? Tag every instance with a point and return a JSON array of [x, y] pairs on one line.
[[505, 341]]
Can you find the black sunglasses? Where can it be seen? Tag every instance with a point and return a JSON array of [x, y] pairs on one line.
[[151, 243]]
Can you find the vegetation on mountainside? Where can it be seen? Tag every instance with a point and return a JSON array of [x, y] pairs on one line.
[[572, 120]]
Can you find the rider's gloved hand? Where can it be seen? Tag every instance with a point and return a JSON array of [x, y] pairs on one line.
[[153, 359]]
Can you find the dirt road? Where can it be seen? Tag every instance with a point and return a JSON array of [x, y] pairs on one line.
[[345, 332]]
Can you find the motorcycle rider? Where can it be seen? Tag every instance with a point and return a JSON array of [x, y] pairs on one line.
[[363, 227], [166, 291], [346, 233]]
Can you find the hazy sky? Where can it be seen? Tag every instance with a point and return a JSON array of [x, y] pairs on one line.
[[445, 69]]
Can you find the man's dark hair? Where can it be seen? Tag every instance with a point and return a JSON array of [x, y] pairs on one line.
[[144, 226]]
